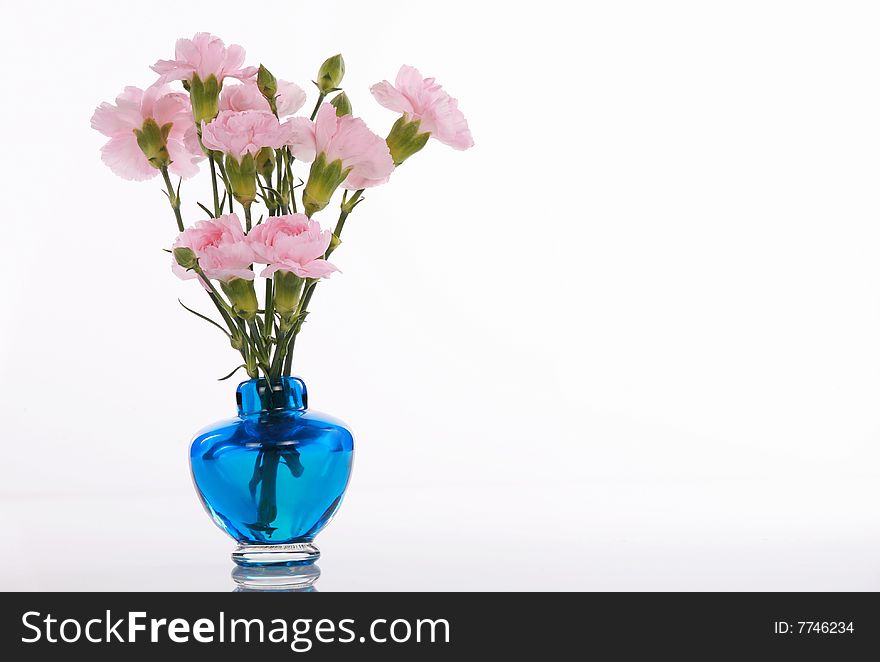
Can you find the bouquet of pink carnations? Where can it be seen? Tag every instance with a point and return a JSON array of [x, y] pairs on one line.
[[254, 143]]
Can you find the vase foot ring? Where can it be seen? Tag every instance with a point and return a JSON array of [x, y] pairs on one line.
[[261, 556]]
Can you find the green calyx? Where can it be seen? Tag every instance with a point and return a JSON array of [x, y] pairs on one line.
[[404, 140], [330, 74], [153, 141], [324, 179], [242, 178], [243, 297], [342, 104], [204, 95], [264, 162], [288, 289]]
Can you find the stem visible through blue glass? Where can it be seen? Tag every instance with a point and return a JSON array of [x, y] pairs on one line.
[[266, 465]]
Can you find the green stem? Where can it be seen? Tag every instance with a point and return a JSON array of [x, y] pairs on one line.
[[173, 197], [284, 335], [337, 231], [248, 351], [217, 210], [269, 196], [347, 207], [288, 160], [268, 309], [226, 183], [321, 98], [260, 346], [247, 218], [279, 176]]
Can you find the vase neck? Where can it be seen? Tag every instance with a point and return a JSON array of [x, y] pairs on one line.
[[258, 396]]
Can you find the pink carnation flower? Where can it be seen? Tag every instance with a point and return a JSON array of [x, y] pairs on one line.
[[247, 96], [244, 132], [204, 55], [344, 138], [423, 99], [133, 107], [290, 98], [221, 247], [292, 243]]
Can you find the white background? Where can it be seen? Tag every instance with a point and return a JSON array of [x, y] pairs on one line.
[[631, 340]]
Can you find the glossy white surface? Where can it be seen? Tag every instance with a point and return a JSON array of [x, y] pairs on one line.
[[622, 535]]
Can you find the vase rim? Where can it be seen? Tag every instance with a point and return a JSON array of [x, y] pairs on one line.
[[285, 394]]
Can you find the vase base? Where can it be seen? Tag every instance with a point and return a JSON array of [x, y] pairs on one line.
[[276, 556], [276, 578]]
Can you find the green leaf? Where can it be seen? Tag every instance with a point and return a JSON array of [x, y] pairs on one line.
[[237, 368], [206, 318], [206, 210]]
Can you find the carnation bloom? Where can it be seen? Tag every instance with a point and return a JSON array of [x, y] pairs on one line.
[[289, 99], [423, 99], [244, 132], [364, 154], [221, 248], [204, 55], [292, 243], [247, 96], [134, 107]]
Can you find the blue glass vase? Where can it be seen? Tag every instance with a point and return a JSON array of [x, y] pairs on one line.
[[273, 477]]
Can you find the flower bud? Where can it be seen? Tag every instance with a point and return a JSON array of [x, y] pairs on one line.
[[288, 287], [405, 139], [268, 86], [153, 141], [242, 295], [264, 162], [342, 105], [324, 179], [204, 97], [242, 178], [185, 257], [330, 74]]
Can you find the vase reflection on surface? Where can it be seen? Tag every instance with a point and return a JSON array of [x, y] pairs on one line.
[[274, 476], [275, 578]]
